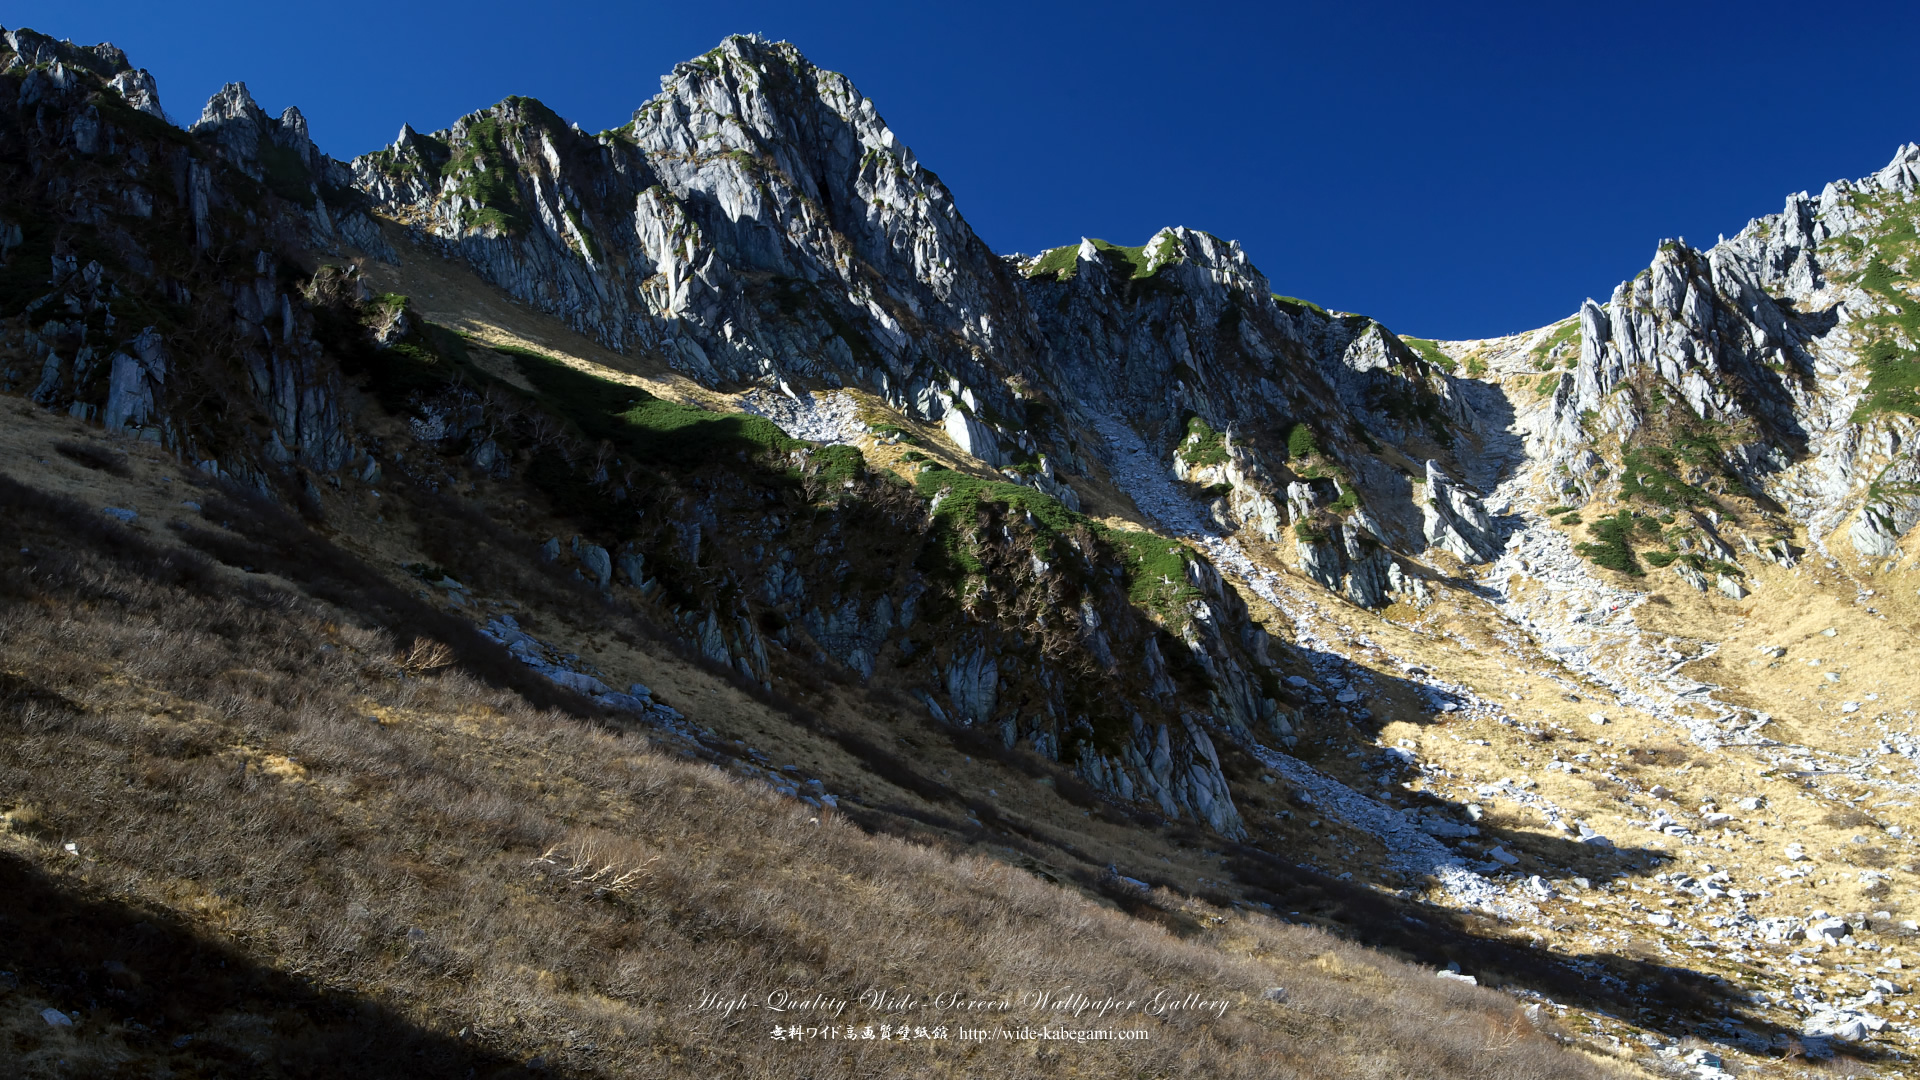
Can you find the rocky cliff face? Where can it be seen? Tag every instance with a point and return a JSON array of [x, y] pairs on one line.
[[173, 284], [1275, 412], [1779, 361], [758, 223], [146, 265], [757, 220]]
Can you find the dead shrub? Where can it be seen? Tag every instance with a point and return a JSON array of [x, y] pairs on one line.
[[27, 820], [550, 890], [425, 656]]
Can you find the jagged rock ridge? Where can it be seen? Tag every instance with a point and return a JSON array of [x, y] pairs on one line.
[[198, 323], [758, 222], [1774, 341], [758, 219]]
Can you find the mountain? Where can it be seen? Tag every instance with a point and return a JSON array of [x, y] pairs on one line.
[[605, 514]]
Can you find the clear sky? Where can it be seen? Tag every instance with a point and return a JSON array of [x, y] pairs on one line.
[[1455, 170]]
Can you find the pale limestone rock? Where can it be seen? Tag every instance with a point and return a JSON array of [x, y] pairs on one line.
[[139, 90], [973, 436], [1456, 521], [1685, 572]]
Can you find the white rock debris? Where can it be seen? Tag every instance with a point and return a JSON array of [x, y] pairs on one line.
[[1409, 848], [832, 418], [1153, 489]]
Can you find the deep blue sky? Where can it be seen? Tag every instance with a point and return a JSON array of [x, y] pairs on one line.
[[1454, 170]]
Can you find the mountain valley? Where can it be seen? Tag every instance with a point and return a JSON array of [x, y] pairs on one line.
[[497, 590]]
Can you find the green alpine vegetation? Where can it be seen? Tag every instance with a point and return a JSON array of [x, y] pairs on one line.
[[481, 164], [1613, 543], [1063, 262], [1301, 444], [1156, 568], [1203, 446], [1893, 384], [1544, 352], [1430, 352], [1297, 304], [1647, 473]]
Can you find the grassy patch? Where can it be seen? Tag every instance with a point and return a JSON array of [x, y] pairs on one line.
[[1893, 383], [1063, 262], [1298, 305], [1155, 567], [1696, 447], [1057, 263], [93, 456], [1203, 446], [965, 493], [641, 426], [1568, 331], [841, 465], [1664, 559], [480, 167], [423, 160], [1430, 352], [961, 497]]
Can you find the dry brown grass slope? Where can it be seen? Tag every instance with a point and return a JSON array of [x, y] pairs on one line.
[[300, 848]]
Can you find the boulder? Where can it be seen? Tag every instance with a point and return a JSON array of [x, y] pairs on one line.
[[1685, 572], [1455, 521], [579, 682], [974, 437], [595, 560], [632, 564], [1830, 930]]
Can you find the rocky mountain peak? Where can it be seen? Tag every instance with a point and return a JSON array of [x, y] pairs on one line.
[[1777, 364], [230, 104], [756, 220], [1106, 514], [34, 49], [276, 150]]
